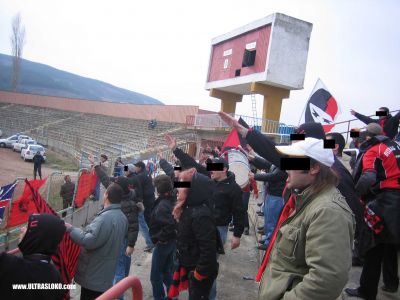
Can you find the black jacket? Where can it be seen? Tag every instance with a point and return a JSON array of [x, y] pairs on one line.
[[38, 160], [197, 233], [18, 270], [390, 123], [162, 225], [226, 197], [167, 168], [129, 206], [276, 180], [147, 186], [136, 185], [67, 192]]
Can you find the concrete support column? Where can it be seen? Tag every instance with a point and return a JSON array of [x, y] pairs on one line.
[[228, 100], [273, 97]]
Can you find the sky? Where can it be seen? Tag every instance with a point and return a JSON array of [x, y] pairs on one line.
[[162, 48]]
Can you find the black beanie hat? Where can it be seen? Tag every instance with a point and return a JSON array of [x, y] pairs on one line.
[[43, 235], [311, 129], [163, 184]]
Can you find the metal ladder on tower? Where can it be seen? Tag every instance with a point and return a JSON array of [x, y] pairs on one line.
[[254, 108]]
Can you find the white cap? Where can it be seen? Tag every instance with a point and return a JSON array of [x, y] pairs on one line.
[[310, 147]]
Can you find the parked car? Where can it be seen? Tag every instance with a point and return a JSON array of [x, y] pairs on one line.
[[10, 141], [23, 144], [29, 152]]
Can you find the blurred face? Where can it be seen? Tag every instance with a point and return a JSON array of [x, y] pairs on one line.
[[298, 179], [218, 175], [138, 169], [67, 178], [381, 117], [102, 159], [176, 173], [336, 149]]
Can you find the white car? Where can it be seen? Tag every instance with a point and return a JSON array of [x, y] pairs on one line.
[[23, 144], [10, 141], [29, 152]]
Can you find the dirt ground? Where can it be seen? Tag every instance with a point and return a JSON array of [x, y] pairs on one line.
[[13, 166]]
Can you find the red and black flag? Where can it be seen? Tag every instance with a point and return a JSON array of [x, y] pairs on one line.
[[67, 255], [234, 139], [321, 107]]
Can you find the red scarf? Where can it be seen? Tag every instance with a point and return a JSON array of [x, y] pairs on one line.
[[381, 122], [286, 211]]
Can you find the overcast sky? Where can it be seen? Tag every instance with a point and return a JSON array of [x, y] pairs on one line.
[[162, 48]]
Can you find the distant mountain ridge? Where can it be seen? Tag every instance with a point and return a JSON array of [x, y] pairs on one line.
[[41, 79]]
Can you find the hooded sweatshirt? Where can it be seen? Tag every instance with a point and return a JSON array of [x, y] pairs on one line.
[[42, 237]]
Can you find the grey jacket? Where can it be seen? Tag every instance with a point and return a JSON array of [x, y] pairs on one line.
[[100, 243]]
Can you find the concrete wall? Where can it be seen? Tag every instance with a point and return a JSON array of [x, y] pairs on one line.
[[163, 113]]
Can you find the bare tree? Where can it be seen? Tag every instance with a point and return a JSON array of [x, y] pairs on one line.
[[17, 45]]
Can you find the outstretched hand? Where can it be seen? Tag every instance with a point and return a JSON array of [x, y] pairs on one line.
[[171, 142], [232, 122]]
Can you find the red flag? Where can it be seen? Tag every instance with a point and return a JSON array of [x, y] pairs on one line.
[[86, 186], [322, 107], [23, 206], [67, 255], [232, 141]]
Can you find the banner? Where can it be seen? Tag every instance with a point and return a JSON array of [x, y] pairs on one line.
[[5, 198], [86, 186], [321, 107], [67, 255], [24, 206]]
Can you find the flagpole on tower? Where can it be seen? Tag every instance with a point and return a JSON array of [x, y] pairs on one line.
[[302, 113]]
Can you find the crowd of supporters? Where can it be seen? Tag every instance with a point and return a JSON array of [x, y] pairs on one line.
[[322, 214]]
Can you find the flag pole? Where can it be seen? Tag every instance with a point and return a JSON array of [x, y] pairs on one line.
[[302, 113], [305, 106]]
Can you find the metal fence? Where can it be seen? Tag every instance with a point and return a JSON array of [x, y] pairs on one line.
[[51, 193]]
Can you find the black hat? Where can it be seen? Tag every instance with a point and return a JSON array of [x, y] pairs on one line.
[[140, 164], [163, 184], [221, 160], [43, 235], [311, 129], [104, 156]]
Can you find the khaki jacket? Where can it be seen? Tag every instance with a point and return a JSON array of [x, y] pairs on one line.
[[311, 258]]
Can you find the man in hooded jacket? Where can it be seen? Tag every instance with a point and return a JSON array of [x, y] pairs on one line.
[[39, 241]]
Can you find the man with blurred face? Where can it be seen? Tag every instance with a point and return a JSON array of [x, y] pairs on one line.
[[389, 123], [309, 255]]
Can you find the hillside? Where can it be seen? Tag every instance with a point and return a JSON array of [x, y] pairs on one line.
[[42, 79]]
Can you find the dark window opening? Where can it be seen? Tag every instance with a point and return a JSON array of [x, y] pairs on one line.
[[248, 58], [237, 72]]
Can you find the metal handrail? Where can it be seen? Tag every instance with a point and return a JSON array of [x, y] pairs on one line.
[[352, 120], [118, 289]]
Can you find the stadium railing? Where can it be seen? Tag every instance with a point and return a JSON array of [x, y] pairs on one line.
[[123, 285]]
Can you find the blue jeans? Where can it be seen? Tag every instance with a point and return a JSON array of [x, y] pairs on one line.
[[123, 265], [223, 232], [161, 268], [144, 229], [272, 210]]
